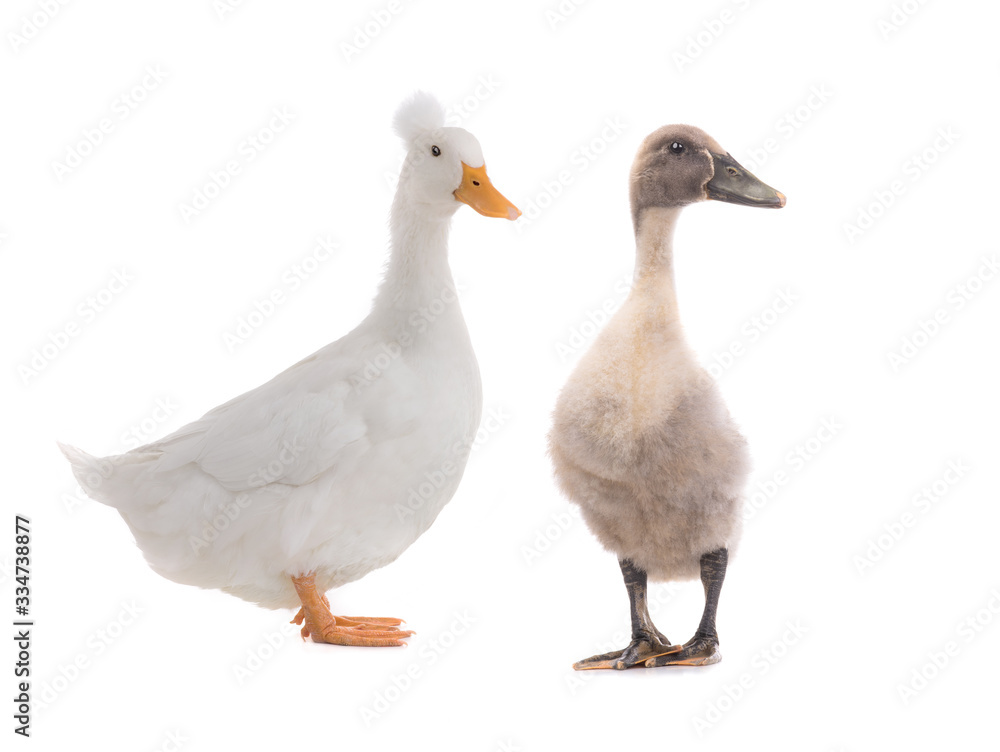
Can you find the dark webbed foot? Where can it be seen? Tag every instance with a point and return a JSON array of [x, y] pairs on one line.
[[699, 651], [649, 647], [703, 648], [647, 640], [638, 652]]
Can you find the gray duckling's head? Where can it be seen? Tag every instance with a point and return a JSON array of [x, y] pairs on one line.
[[678, 165]]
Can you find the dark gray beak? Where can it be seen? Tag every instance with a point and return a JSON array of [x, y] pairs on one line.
[[736, 185]]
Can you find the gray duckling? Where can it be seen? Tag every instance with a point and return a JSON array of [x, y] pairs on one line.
[[641, 439]]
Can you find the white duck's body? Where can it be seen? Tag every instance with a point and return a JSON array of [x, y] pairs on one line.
[[335, 466]]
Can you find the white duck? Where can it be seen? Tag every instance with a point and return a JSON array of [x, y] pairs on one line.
[[321, 475]]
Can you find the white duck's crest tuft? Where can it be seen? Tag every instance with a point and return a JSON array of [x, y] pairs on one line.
[[420, 113]]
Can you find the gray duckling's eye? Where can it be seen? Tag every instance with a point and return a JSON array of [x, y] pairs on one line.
[[677, 147], [435, 151]]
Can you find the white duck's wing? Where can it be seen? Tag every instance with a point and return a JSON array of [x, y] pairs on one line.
[[286, 431]]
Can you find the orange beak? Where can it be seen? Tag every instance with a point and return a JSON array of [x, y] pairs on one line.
[[478, 192]]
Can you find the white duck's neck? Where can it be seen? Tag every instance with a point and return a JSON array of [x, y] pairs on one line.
[[654, 256], [417, 275]]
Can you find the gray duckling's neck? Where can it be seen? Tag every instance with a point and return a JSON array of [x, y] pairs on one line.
[[654, 255]]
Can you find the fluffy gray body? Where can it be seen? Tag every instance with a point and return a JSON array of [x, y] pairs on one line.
[[641, 439]]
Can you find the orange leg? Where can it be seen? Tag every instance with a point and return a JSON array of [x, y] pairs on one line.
[[323, 626]]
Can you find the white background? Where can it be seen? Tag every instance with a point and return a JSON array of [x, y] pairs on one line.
[[537, 86]]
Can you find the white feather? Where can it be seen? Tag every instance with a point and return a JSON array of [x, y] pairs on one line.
[[419, 114]]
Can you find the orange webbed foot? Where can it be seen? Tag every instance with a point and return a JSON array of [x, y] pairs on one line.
[[360, 631]]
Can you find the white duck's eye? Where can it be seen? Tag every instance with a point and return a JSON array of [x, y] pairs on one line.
[[677, 147], [435, 151]]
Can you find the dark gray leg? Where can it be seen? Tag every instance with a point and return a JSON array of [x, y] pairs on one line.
[[635, 584], [647, 640], [703, 648]]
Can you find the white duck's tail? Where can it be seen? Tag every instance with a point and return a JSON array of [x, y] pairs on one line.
[[91, 472]]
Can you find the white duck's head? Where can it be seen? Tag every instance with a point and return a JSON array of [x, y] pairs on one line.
[[444, 166]]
